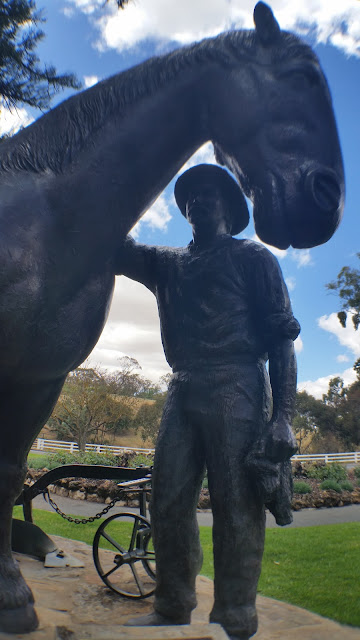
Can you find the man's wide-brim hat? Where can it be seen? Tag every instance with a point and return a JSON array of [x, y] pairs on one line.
[[213, 174]]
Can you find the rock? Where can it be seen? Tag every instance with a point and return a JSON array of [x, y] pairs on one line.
[[92, 497], [107, 489], [91, 486], [77, 495], [61, 491], [63, 482], [76, 485], [204, 499]]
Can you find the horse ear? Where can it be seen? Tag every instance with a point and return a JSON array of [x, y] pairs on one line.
[[266, 26]]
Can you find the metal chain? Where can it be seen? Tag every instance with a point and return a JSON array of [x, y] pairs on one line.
[[46, 496]]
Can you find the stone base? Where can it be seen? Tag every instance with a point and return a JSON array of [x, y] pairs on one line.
[[74, 604], [186, 632]]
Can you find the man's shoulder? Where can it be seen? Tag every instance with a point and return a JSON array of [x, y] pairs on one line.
[[252, 250], [170, 252]]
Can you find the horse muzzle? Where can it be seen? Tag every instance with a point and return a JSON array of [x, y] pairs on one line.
[[323, 186], [318, 208]]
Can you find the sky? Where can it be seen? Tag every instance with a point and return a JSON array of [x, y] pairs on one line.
[[95, 41]]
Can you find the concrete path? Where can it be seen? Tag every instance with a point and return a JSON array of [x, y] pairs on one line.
[[74, 604], [303, 518]]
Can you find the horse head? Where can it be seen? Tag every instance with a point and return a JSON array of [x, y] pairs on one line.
[[287, 159]]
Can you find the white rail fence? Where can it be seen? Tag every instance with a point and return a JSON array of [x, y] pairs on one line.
[[41, 444], [352, 457]]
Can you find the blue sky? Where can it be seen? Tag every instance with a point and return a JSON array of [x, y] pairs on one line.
[[94, 43]]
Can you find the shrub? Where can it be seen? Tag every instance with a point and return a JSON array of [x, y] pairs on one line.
[[59, 458], [38, 462], [356, 472], [331, 484], [321, 471], [346, 486], [142, 460], [83, 457], [302, 487], [298, 469]]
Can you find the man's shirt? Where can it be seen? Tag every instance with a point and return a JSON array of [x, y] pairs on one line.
[[224, 304]]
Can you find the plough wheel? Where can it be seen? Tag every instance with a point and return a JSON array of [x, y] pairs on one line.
[[124, 556]]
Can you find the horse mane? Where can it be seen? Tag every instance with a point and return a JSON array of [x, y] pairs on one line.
[[54, 140]]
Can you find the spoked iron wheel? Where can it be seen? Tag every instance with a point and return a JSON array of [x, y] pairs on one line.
[[124, 556]]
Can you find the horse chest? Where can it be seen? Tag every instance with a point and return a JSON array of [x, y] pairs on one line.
[[48, 331]]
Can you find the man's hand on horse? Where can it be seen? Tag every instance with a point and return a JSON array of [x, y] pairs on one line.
[[280, 442]]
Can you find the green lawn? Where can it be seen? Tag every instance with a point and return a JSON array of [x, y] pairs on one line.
[[312, 567]]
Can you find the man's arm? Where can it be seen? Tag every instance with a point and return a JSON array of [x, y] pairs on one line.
[[277, 328], [136, 261], [280, 441]]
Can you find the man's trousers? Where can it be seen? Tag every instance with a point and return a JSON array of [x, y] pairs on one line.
[[211, 419]]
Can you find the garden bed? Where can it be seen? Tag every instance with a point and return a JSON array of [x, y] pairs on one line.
[[103, 491]]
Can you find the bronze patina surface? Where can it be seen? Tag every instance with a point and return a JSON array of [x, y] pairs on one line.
[[74, 182]]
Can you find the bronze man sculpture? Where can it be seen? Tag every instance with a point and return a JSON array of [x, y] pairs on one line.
[[224, 310], [77, 180]]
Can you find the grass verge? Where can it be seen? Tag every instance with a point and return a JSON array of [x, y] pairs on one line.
[[312, 567]]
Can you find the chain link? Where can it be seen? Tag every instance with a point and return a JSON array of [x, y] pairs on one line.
[[47, 497]]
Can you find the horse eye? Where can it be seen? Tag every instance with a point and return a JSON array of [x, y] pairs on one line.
[[300, 77]]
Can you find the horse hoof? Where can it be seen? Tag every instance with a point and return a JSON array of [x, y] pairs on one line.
[[20, 620]]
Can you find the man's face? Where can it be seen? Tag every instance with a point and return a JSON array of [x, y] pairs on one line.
[[206, 206]]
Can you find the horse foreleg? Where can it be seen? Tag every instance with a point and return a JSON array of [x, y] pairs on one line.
[[23, 412]]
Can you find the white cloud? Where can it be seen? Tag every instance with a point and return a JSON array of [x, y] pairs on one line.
[[298, 344], [86, 6], [320, 386], [157, 217], [89, 81], [132, 329], [279, 253], [347, 337], [182, 22], [68, 12], [12, 121], [302, 257], [204, 155], [290, 283]]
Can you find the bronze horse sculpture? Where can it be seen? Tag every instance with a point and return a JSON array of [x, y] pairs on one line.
[[74, 183]]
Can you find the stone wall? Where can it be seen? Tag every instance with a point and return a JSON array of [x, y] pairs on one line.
[[103, 491]]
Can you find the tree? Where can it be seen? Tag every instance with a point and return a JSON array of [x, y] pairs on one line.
[[126, 381], [304, 421], [120, 3], [333, 422], [351, 417], [148, 418], [87, 410], [347, 287], [335, 393], [22, 79], [349, 412]]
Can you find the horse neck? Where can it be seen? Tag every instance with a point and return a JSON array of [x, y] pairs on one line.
[[133, 158]]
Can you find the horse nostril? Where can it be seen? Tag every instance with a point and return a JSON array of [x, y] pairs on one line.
[[324, 188]]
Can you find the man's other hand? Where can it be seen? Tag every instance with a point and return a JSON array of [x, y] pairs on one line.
[[280, 442]]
